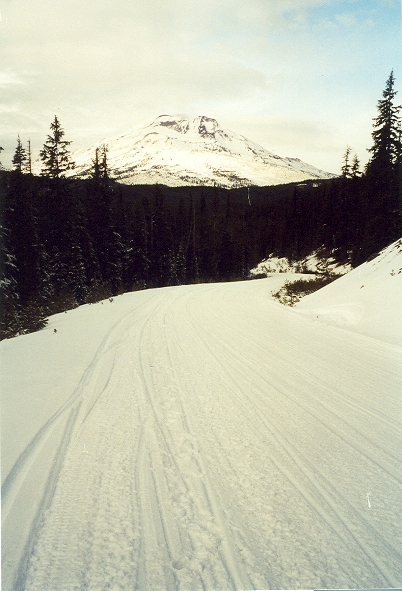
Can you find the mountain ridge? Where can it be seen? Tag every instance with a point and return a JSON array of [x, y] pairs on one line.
[[176, 150]]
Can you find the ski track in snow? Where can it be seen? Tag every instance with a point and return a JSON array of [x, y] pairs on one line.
[[214, 442]]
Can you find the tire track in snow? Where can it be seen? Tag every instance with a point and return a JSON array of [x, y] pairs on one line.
[[389, 422], [46, 500], [86, 538], [157, 548], [25, 461], [245, 411], [324, 492], [350, 435], [353, 440], [185, 513], [161, 458], [152, 516], [375, 533], [329, 497], [136, 501], [247, 552], [13, 489], [79, 542], [242, 561], [230, 553]]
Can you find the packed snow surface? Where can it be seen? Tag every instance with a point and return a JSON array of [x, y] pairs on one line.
[[367, 300], [176, 150], [201, 437]]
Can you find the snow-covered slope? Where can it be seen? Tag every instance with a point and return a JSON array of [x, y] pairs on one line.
[[201, 437], [177, 150], [366, 300]]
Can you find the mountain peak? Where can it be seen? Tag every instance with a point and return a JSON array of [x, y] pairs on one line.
[[201, 125], [207, 127]]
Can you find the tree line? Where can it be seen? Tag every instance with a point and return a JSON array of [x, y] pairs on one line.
[[66, 242]]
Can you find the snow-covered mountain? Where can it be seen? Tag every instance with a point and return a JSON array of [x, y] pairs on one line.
[[177, 150]]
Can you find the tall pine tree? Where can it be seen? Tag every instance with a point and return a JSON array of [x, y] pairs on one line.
[[29, 159], [55, 154], [100, 166], [346, 168], [383, 172], [386, 149], [20, 157]]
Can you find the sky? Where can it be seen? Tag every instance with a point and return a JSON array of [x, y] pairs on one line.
[[302, 78]]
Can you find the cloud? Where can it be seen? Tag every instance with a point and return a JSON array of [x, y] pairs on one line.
[[311, 140], [9, 78], [87, 51]]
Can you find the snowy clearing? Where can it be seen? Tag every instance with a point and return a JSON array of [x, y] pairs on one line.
[[200, 437]]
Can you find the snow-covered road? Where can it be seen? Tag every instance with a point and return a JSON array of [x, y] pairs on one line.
[[208, 438]]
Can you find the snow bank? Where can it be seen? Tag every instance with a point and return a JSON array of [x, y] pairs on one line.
[[366, 300]]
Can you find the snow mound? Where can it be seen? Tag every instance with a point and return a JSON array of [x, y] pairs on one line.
[[367, 300]]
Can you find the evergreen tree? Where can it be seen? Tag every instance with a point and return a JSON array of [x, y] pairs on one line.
[[10, 322], [55, 154], [20, 157], [386, 149], [160, 240], [21, 222], [96, 171], [383, 173], [100, 166], [346, 169], [103, 164], [29, 159], [355, 169], [33, 317]]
